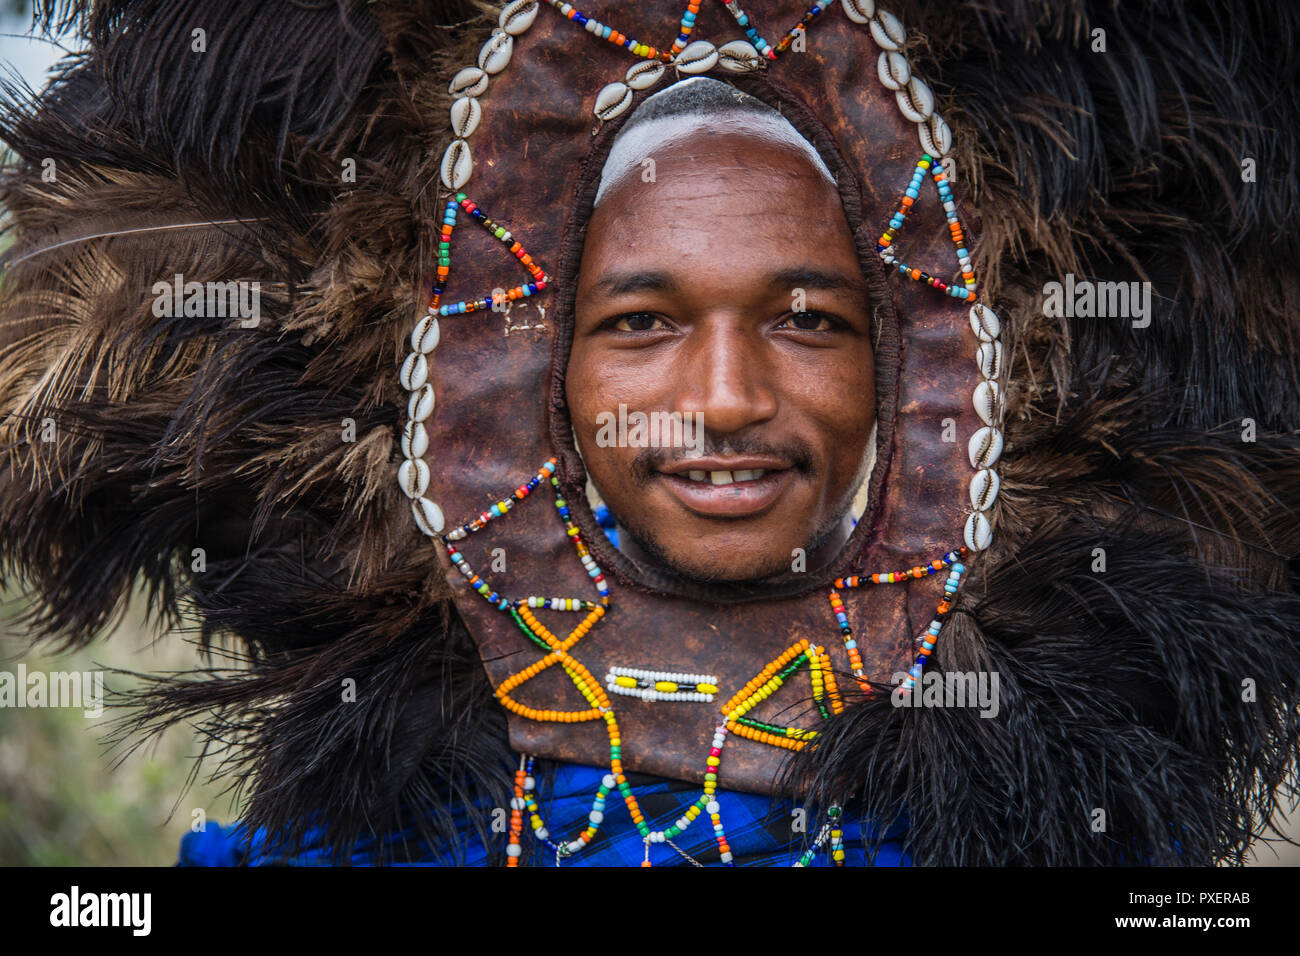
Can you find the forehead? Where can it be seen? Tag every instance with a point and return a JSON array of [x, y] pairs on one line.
[[714, 187]]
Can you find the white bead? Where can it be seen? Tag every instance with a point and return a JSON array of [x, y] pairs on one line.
[[420, 405], [936, 139], [518, 16], [514, 849], [739, 57], [541, 833], [529, 783], [986, 402], [609, 781], [516, 803], [465, 116], [415, 440], [470, 81], [859, 11], [456, 164], [712, 807], [428, 516], [698, 57], [644, 74], [413, 476], [984, 321], [893, 70], [915, 100], [979, 533], [595, 816], [613, 100], [415, 371], [495, 53], [985, 447], [887, 31], [984, 489], [425, 335]]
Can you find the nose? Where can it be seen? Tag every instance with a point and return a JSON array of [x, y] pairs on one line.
[[725, 377]]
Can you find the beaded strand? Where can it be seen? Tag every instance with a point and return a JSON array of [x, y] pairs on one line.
[[598, 29], [910, 195], [813, 12]]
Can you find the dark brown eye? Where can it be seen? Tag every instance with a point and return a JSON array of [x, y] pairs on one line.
[[636, 322], [810, 322]]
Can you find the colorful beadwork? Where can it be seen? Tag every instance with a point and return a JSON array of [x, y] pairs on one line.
[[596, 28], [886, 241], [540, 278], [927, 639], [661, 685], [734, 714], [816, 10]]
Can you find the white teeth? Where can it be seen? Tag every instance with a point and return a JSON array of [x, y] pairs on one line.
[[696, 475], [726, 477], [742, 475], [720, 477]]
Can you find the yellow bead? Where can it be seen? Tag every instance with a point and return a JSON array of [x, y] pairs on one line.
[[707, 689], [665, 685], [625, 681]]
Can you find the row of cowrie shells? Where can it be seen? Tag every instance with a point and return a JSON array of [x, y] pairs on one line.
[[915, 98], [738, 56], [457, 164], [916, 103]]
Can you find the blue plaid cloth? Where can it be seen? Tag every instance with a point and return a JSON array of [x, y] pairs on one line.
[[761, 831]]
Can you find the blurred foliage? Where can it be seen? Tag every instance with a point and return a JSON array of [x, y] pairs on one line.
[[62, 799]]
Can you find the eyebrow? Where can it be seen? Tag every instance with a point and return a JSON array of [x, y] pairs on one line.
[[803, 277]]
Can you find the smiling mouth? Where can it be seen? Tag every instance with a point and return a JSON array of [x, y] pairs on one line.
[[734, 493]]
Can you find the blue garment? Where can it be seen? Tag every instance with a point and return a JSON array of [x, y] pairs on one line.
[[760, 831]]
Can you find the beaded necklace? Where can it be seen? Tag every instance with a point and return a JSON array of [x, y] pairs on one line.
[[734, 717]]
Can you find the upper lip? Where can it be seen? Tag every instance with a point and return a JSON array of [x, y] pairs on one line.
[[747, 463]]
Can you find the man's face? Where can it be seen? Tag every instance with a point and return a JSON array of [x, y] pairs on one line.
[[728, 286]]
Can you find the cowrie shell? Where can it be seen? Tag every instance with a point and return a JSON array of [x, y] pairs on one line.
[[984, 489], [936, 137], [989, 358], [613, 100], [425, 335], [915, 100], [415, 371], [415, 440], [698, 57], [859, 11], [420, 405], [986, 401], [985, 322], [645, 74], [465, 116], [893, 69], [456, 164], [887, 30], [495, 53], [428, 516], [518, 16], [413, 477], [985, 447], [979, 533], [470, 81], [739, 57]]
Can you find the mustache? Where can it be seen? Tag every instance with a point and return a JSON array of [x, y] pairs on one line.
[[799, 453]]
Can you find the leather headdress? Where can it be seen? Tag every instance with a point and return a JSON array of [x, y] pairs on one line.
[[536, 154]]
